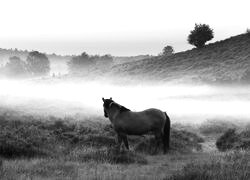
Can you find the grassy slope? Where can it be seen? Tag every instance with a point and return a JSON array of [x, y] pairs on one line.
[[223, 61]]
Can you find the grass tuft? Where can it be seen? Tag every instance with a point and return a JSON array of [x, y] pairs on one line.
[[224, 167]]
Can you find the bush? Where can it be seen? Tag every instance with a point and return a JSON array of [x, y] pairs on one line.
[[184, 141], [200, 35], [25, 141], [233, 140], [227, 140]]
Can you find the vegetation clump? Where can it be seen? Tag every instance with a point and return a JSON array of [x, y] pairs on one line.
[[200, 35], [167, 51], [36, 64], [85, 62], [180, 141], [233, 140]]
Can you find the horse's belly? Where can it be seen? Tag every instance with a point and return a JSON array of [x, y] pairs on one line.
[[137, 129]]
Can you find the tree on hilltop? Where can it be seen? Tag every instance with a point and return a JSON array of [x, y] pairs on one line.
[[200, 35], [167, 51]]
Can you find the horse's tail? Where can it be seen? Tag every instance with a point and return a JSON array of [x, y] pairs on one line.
[[166, 135]]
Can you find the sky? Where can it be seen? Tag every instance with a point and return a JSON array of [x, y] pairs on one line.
[[117, 27]]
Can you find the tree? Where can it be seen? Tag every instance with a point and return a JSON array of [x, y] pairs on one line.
[[16, 67], [200, 35], [167, 51], [38, 63], [80, 63], [103, 62]]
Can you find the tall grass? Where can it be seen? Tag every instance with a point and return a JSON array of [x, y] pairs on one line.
[[52, 148], [230, 166], [31, 136]]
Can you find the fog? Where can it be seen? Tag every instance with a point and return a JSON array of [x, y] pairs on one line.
[[183, 103]]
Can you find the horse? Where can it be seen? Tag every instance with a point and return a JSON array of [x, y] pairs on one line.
[[126, 122]]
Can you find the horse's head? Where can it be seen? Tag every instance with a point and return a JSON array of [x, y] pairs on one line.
[[106, 105], [116, 108]]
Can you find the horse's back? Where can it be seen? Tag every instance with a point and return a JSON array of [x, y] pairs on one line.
[[151, 113]]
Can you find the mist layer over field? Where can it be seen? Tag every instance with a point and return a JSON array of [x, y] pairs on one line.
[[184, 103]]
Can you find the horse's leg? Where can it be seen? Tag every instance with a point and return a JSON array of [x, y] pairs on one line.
[[158, 136], [125, 140], [119, 142]]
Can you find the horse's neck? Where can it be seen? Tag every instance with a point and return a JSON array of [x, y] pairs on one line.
[[113, 113]]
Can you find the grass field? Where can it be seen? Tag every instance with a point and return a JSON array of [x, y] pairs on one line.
[[33, 147]]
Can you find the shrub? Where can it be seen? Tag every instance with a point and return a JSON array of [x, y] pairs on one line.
[[232, 140], [227, 140], [25, 141], [200, 35], [184, 141]]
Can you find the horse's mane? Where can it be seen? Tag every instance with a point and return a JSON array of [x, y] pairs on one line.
[[124, 109]]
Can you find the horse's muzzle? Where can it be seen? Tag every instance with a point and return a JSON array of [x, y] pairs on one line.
[[105, 114]]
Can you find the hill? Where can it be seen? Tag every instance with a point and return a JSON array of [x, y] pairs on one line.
[[226, 61], [125, 59]]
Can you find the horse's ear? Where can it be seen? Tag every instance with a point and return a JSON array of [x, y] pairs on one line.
[[110, 98], [103, 99]]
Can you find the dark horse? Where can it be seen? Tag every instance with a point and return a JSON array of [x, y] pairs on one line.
[[126, 122]]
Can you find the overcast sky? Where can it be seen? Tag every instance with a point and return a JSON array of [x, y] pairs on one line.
[[117, 27]]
